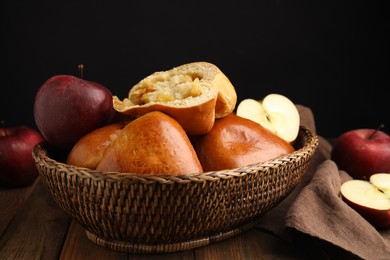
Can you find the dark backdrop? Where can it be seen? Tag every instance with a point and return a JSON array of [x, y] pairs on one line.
[[332, 56]]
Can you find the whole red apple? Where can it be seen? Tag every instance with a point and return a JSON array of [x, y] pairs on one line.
[[67, 107], [362, 152], [17, 167]]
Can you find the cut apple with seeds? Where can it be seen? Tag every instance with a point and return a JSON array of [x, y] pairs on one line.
[[366, 194], [371, 199], [275, 112], [382, 182]]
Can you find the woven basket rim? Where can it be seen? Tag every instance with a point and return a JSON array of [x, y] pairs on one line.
[[40, 153]]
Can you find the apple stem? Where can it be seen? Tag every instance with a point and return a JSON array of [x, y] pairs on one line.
[[81, 70], [381, 126]]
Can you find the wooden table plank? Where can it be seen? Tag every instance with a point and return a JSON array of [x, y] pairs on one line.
[[183, 255], [78, 246], [10, 202], [252, 244], [37, 231]]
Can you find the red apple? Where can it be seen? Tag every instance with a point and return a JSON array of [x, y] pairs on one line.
[[362, 152], [16, 163], [371, 199], [67, 107]]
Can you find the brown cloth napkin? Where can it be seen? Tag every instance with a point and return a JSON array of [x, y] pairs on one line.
[[316, 209]]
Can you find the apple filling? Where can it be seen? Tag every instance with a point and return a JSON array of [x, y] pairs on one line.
[[167, 87]]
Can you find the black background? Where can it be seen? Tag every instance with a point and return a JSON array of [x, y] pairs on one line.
[[332, 56]]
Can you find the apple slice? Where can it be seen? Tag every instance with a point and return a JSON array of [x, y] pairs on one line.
[[382, 182], [275, 112], [371, 199]]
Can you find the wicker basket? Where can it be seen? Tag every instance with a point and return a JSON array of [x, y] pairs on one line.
[[142, 214]]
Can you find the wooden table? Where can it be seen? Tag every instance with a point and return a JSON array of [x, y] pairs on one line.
[[33, 226]]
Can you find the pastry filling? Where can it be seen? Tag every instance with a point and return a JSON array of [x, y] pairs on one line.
[[166, 87]]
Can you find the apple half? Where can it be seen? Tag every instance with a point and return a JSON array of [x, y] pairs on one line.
[[371, 199], [275, 112]]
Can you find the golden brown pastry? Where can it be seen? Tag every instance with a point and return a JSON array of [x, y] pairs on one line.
[[89, 149], [154, 143], [194, 94], [236, 141]]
